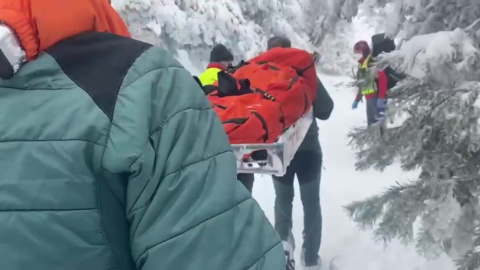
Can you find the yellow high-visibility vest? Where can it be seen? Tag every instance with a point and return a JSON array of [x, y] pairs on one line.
[[209, 76], [370, 85]]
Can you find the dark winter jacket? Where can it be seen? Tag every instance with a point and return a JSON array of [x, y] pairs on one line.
[[322, 109], [113, 159], [323, 104]]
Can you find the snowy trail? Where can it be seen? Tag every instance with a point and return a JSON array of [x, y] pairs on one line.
[[341, 184]]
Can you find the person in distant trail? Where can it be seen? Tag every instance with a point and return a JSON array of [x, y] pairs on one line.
[[372, 86], [221, 59], [111, 156], [306, 165]]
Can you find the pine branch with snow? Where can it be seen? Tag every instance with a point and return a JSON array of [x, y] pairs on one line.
[[435, 129], [408, 18]]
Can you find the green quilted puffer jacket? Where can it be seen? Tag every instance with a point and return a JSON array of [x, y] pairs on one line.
[[111, 158]]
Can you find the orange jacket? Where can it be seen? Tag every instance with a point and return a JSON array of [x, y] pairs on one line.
[[39, 24]]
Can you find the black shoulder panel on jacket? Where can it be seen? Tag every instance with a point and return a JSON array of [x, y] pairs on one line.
[[98, 62]]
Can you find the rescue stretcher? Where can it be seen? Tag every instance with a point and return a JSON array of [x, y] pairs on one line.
[[279, 154]]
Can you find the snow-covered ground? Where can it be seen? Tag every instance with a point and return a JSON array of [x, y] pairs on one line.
[[341, 184]]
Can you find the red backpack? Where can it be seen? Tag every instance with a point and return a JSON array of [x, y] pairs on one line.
[[269, 93]]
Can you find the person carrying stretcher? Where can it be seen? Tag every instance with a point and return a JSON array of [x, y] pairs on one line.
[[259, 101], [220, 61], [306, 165]]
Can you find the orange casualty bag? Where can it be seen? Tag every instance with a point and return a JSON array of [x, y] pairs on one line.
[[266, 95]]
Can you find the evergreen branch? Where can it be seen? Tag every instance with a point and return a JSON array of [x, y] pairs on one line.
[[471, 260], [368, 212], [438, 132], [393, 213]]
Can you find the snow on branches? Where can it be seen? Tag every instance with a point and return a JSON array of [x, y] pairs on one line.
[[242, 25], [434, 127]]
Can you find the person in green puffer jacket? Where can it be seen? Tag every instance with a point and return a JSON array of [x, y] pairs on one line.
[[111, 156]]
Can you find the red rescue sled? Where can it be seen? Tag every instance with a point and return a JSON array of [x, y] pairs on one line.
[[269, 94], [265, 104]]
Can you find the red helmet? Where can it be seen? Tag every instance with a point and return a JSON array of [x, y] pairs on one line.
[[362, 46]]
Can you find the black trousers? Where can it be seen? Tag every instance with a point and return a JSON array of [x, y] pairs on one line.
[[247, 180], [306, 165]]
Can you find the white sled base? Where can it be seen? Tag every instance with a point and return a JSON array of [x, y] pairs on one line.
[[280, 153]]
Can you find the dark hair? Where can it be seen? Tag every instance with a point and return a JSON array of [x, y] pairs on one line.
[[279, 41], [220, 53]]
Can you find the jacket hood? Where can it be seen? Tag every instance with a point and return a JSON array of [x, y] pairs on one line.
[[39, 24]]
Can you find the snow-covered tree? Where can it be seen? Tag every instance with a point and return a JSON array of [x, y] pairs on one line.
[[195, 26], [336, 50], [328, 24], [408, 18], [278, 18], [242, 25], [435, 129]]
